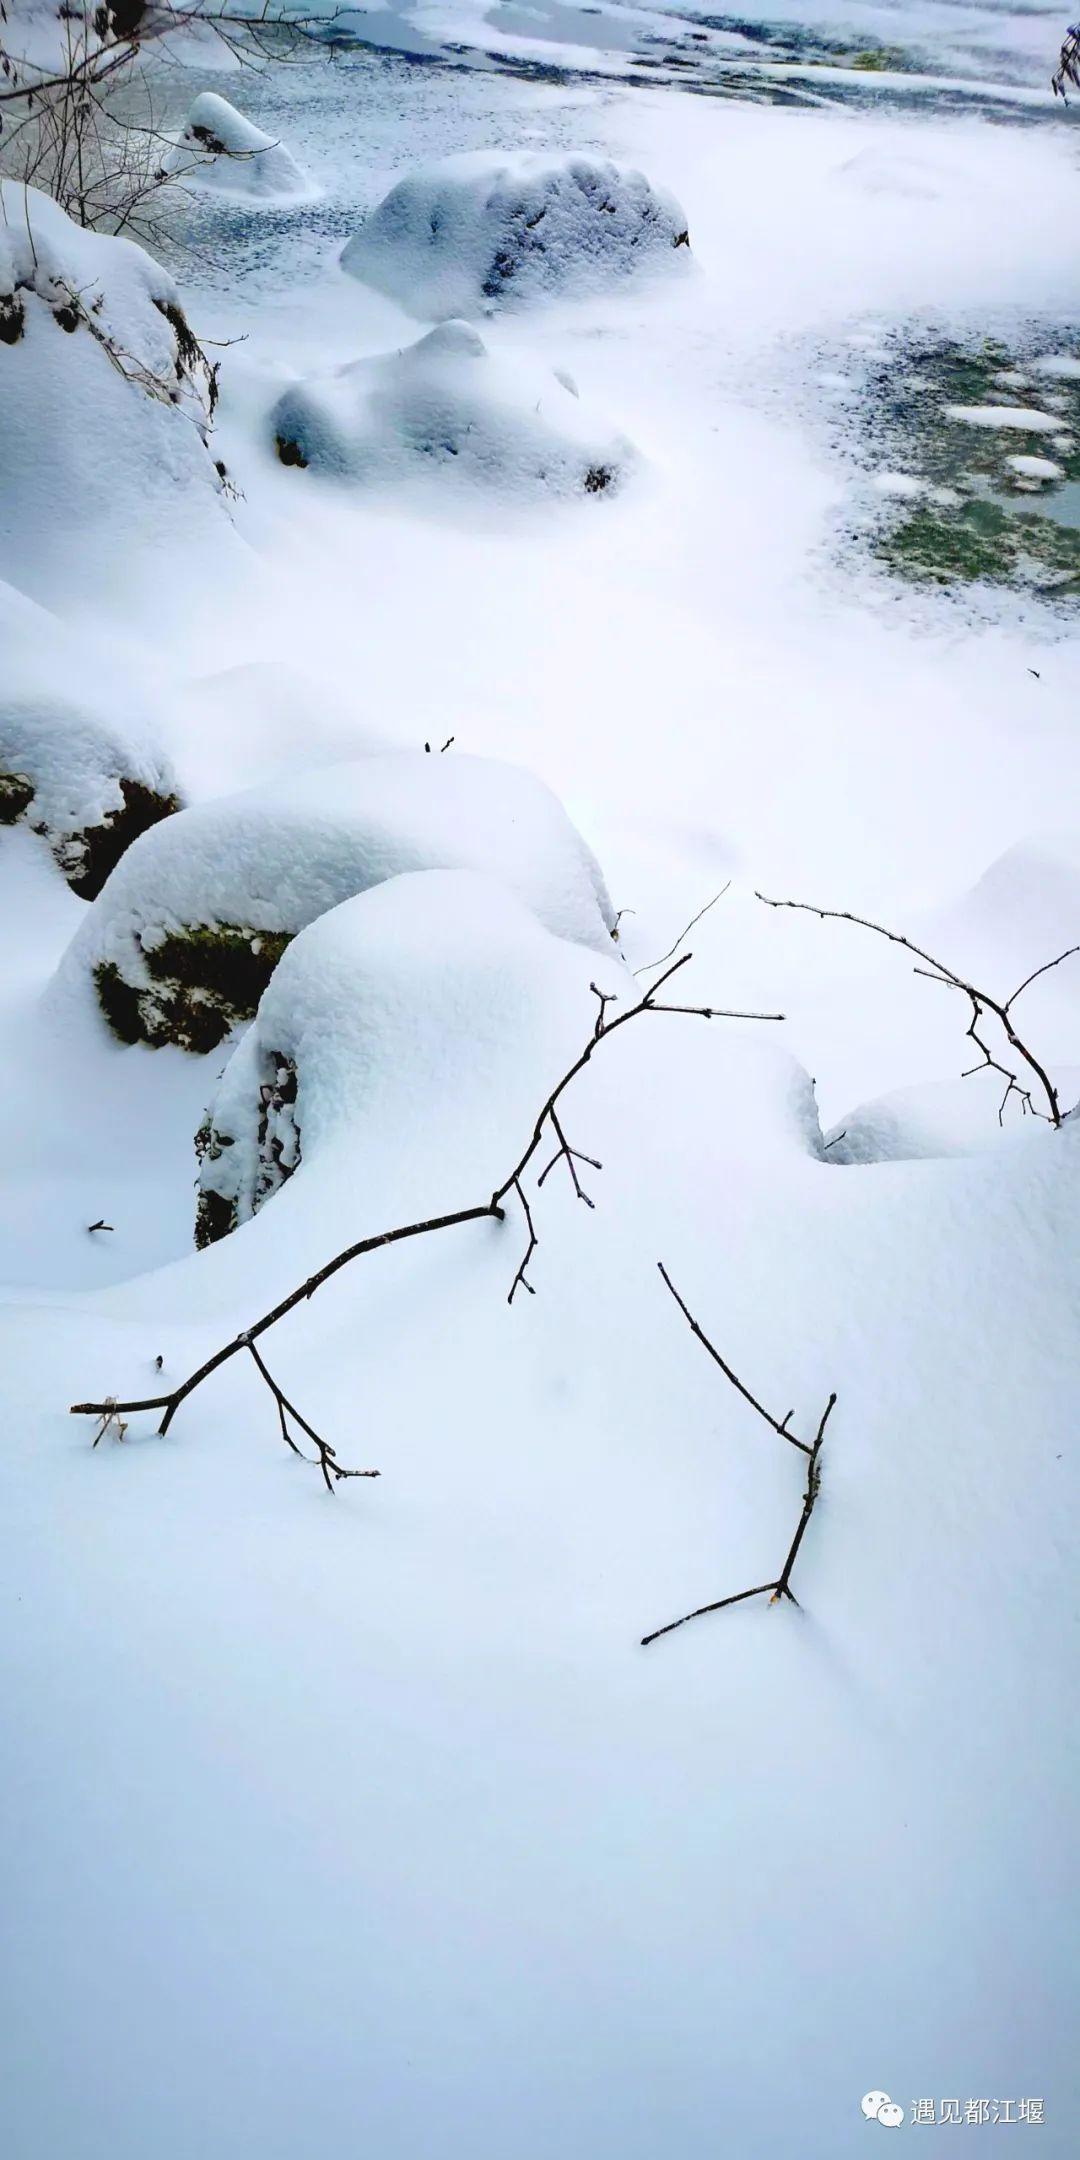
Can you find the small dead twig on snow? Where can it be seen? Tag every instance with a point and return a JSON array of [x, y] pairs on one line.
[[780, 1587]]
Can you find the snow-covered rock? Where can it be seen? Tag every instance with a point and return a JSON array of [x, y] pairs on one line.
[[434, 1004], [222, 150], [448, 404], [88, 785], [183, 940], [938, 1119], [482, 230], [103, 398]]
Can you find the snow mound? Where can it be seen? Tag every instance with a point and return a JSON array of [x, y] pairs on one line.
[[482, 230], [186, 935], [938, 1119], [447, 404], [223, 150], [103, 396], [88, 786], [433, 1005]]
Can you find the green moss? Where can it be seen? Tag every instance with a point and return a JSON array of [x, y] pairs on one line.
[[981, 543], [119, 1003], [16, 796], [879, 59], [206, 980], [230, 964], [981, 524]]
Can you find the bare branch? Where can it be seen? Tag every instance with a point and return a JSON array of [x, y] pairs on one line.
[[980, 1001], [694, 919], [780, 1587], [488, 1210]]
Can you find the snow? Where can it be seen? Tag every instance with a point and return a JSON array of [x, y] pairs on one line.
[[1035, 468], [447, 402], [1004, 416], [75, 759], [221, 149], [98, 429], [273, 858], [477, 232], [1063, 367], [364, 1824]]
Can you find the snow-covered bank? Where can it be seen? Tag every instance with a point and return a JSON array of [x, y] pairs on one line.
[[364, 1824]]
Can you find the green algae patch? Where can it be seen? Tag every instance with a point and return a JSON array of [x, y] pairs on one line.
[[981, 543], [985, 437]]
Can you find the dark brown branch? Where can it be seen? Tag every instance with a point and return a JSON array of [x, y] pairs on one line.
[[325, 1456], [521, 1279], [696, 1329], [980, 1000], [491, 1209], [694, 920], [780, 1587]]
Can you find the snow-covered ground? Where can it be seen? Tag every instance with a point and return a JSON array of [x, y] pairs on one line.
[[364, 1824]]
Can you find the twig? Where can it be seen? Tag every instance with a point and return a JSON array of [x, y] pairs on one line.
[[490, 1209], [780, 1587], [981, 1003], [694, 919]]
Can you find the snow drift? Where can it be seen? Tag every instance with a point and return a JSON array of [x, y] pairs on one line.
[[447, 404], [429, 1014], [221, 149], [87, 784], [480, 230], [103, 392], [186, 934]]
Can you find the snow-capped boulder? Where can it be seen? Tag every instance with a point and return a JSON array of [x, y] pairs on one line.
[[104, 395], [482, 230], [193, 921], [89, 786], [401, 1050], [222, 150], [941, 1118], [447, 404]]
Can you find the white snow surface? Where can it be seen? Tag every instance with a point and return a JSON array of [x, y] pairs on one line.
[[76, 758], [1035, 468], [448, 404], [364, 1824], [274, 858], [220, 149], [478, 232], [1026, 417]]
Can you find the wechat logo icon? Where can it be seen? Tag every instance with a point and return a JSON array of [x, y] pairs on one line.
[[877, 2107]]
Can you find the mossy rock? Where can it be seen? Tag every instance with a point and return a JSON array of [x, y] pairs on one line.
[[87, 857], [16, 796], [206, 980], [227, 1196]]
